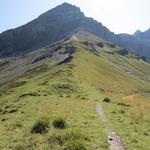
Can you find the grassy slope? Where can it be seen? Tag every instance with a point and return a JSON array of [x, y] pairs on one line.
[[132, 66], [131, 122], [74, 100], [105, 75], [72, 91]]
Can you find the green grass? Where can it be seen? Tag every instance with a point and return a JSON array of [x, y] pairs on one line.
[[131, 121], [54, 93], [72, 91], [105, 75]]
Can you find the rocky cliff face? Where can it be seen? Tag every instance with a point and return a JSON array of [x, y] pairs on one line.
[[134, 45], [58, 24], [50, 27]]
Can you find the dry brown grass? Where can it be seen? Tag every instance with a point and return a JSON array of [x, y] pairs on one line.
[[137, 100]]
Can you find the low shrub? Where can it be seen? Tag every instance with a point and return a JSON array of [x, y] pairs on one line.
[[41, 126], [112, 45], [107, 100], [100, 44], [13, 110], [59, 123], [146, 133], [122, 111]]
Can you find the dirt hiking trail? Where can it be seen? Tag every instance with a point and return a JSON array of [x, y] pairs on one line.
[[113, 139]]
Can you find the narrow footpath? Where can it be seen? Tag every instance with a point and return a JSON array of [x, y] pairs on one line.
[[114, 140]]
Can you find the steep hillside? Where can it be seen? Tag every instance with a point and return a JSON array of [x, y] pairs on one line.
[[135, 45], [69, 88], [59, 24], [52, 26]]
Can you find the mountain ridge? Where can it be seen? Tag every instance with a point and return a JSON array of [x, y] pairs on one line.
[[59, 23], [143, 35]]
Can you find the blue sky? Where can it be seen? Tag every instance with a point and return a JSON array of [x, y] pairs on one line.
[[120, 16]]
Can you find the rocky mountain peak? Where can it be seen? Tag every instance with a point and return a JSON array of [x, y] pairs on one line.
[[64, 9], [137, 32], [143, 35], [60, 23]]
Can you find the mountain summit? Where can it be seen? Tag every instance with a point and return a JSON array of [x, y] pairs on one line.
[[52, 26], [58, 24], [49, 27], [143, 35], [137, 33]]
